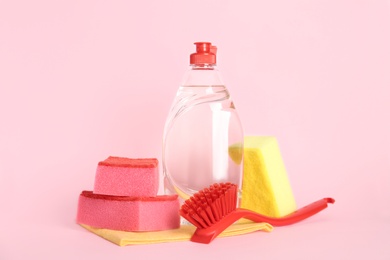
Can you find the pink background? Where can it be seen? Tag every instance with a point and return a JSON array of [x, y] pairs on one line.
[[82, 80]]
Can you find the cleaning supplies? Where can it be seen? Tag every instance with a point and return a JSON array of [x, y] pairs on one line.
[[199, 129], [266, 188], [213, 209], [128, 213], [127, 177], [125, 198]]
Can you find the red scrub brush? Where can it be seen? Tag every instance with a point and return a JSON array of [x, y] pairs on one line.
[[213, 209]]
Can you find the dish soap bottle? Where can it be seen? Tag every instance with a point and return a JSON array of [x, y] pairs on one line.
[[201, 128]]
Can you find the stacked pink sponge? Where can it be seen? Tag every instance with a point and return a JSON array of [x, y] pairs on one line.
[[125, 198], [127, 177]]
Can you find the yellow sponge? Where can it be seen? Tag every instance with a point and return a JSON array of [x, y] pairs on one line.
[[265, 188]]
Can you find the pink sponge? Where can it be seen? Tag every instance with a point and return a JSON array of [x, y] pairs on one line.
[[127, 177], [128, 213]]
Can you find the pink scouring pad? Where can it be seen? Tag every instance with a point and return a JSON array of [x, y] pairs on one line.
[[127, 177], [128, 213]]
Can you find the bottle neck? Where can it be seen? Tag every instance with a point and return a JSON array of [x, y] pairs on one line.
[[202, 66], [202, 74]]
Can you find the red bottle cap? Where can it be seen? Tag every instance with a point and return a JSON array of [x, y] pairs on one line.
[[205, 54]]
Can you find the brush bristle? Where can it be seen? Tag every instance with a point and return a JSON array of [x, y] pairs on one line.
[[210, 205]]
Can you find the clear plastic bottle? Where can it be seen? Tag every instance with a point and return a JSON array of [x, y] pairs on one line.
[[200, 130]]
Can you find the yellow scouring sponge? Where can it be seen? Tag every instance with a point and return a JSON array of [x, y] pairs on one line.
[[265, 188]]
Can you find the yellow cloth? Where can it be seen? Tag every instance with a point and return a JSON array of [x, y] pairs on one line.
[[184, 233]]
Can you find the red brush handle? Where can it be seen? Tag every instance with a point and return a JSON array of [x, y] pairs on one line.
[[206, 235], [292, 218]]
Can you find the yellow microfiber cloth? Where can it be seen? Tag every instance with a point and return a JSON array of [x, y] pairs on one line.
[[184, 233], [265, 188]]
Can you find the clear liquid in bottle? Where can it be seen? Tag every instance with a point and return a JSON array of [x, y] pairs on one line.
[[201, 128]]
